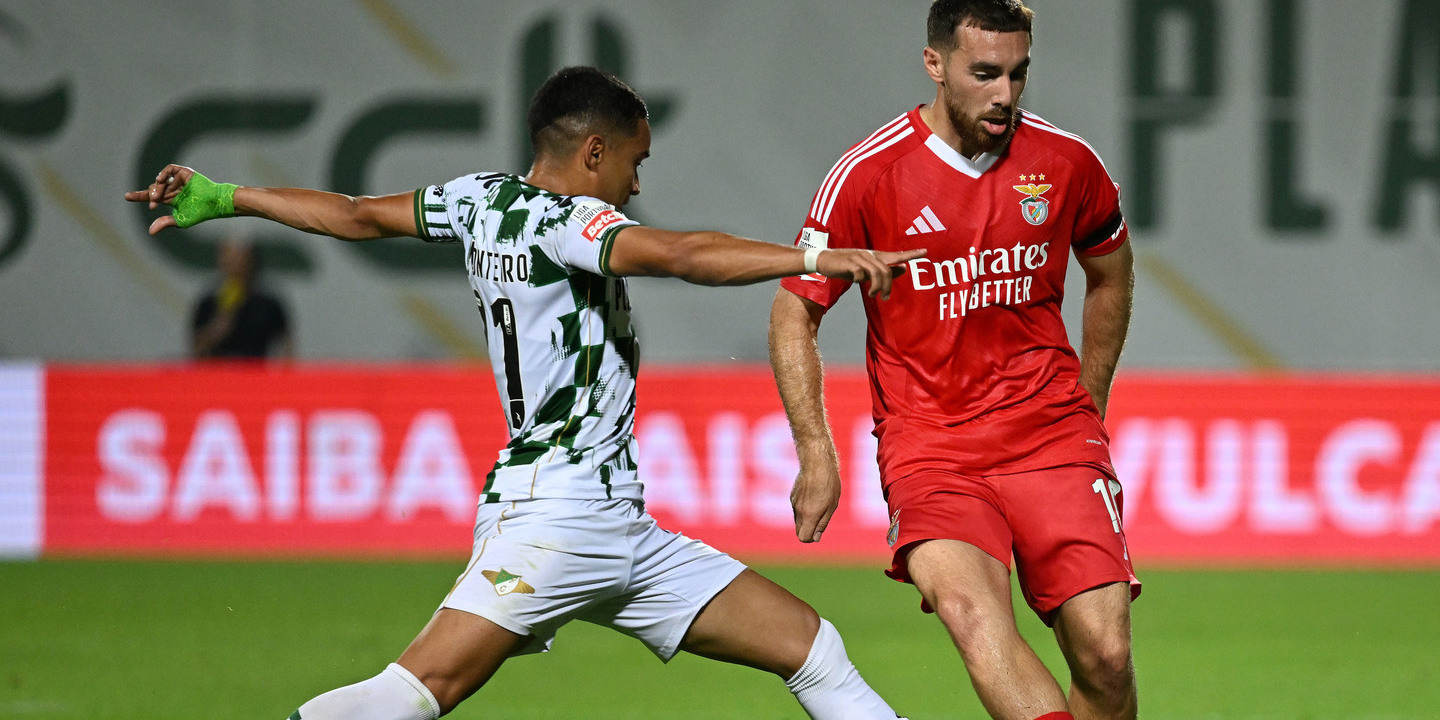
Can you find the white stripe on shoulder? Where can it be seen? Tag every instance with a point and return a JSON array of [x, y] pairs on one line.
[[1040, 123], [828, 186], [824, 216]]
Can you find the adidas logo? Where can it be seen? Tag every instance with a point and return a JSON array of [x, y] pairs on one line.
[[926, 223]]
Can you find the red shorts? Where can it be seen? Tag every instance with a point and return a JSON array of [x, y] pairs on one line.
[[1062, 525]]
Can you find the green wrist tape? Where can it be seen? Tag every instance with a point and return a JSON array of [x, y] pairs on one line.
[[203, 199]]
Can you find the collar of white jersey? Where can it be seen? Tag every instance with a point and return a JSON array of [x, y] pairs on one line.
[[953, 158]]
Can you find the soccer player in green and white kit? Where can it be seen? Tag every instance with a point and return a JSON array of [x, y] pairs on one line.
[[561, 532]]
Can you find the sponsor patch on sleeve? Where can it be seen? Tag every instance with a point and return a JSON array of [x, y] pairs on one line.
[[594, 218], [812, 238], [603, 220]]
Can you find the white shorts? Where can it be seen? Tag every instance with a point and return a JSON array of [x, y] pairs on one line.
[[539, 564]]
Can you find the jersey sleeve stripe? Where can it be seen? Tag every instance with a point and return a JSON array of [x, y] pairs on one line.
[[829, 187], [432, 219], [420, 214], [824, 216], [1041, 124], [826, 186], [607, 244], [1108, 231]]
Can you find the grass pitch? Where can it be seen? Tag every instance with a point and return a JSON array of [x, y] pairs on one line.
[[141, 640]]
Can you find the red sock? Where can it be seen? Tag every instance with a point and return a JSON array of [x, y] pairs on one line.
[[1056, 716]]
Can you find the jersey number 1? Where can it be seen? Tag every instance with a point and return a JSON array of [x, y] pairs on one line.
[[1102, 486], [503, 313]]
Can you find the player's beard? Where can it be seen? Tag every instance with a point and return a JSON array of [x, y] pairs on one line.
[[974, 136]]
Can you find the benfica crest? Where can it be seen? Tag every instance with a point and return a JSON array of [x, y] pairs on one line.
[[505, 583], [1034, 208]]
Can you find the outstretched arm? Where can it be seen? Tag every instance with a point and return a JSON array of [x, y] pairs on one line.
[[1109, 290], [713, 258], [322, 213], [795, 359]]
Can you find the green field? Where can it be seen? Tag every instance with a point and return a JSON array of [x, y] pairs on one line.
[[145, 640]]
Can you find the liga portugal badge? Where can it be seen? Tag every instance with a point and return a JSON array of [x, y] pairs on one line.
[[1034, 208]]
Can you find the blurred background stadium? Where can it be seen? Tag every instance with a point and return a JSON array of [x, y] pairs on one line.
[[1276, 419]]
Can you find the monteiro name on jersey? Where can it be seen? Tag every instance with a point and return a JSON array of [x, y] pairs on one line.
[[557, 326]]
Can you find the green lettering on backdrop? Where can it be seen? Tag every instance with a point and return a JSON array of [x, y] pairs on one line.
[[1408, 162], [362, 142], [1286, 207], [358, 146], [13, 194], [30, 118], [1157, 109], [229, 117], [538, 60], [611, 55]]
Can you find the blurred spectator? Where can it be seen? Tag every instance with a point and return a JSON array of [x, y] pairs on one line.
[[237, 318]]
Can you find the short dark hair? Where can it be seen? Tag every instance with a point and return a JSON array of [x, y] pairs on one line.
[[946, 16], [579, 101]]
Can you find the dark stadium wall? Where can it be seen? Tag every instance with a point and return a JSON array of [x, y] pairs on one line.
[[1278, 159]]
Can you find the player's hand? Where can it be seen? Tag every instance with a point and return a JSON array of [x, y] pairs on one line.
[[814, 497], [163, 191], [866, 266]]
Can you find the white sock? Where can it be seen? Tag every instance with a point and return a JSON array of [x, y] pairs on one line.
[[829, 687], [394, 694]]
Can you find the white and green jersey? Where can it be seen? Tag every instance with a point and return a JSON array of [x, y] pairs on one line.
[[558, 329]]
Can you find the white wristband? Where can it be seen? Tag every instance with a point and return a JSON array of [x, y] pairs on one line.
[[812, 259]]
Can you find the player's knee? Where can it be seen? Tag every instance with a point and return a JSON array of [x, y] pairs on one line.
[[790, 645], [823, 660], [969, 620], [1105, 665], [448, 689]]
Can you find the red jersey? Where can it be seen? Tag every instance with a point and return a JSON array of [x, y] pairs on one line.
[[970, 366]]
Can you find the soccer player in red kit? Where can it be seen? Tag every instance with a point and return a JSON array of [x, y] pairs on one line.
[[990, 427]]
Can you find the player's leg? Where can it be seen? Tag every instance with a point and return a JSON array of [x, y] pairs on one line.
[[457, 653], [970, 593], [953, 543], [534, 566], [756, 623], [684, 594], [448, 661], [1076, 574], [1093, 629]]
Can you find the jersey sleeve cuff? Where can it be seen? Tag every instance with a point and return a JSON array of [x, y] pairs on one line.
[[818, 292], [1105, 239], [607, 244], [417, 202]]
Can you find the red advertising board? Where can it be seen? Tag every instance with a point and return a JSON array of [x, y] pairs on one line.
[[388, 460], [253, 460], [1247, 470]]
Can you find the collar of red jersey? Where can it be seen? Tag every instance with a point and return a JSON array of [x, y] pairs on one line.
[[953, 158]]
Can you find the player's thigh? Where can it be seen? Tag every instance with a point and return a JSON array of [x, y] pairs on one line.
[[668, 581], [938, 505], [1068, 536], [757, 623], [457, 652], [966, 586], [538, 564], [1093, 628]]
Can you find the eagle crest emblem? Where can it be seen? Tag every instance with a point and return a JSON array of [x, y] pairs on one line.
[[1034, 208]]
